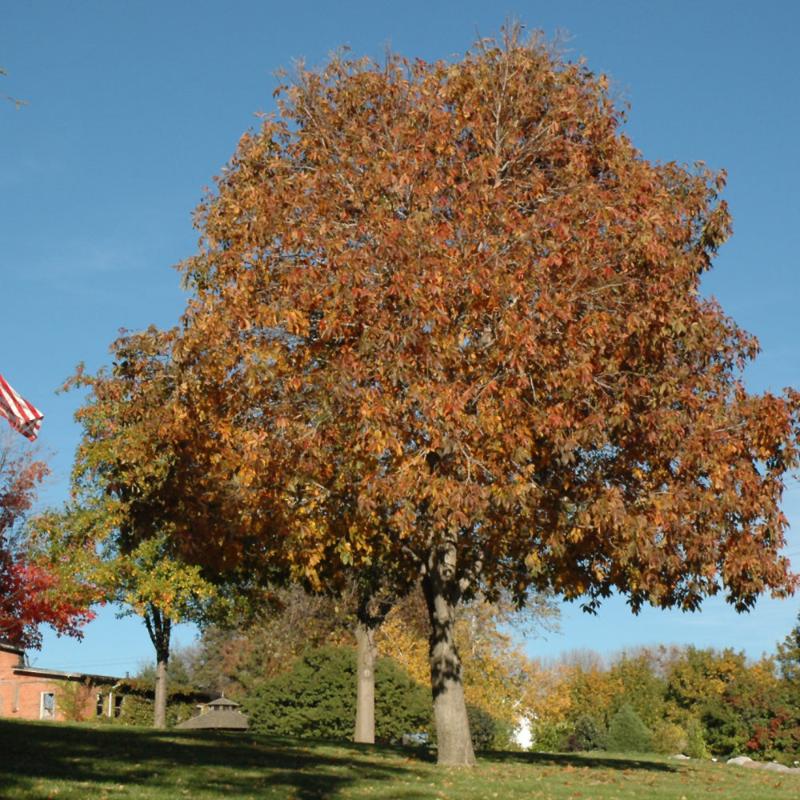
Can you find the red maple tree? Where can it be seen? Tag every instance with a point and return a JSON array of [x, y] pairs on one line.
[[31, 594]]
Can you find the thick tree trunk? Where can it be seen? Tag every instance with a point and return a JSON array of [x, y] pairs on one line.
[[454, 742], [160, 710], [365, 695]]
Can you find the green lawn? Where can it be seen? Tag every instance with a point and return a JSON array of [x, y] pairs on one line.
[[79, 762]]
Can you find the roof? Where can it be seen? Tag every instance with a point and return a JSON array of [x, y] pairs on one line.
[[41, 672], [217, 720], [222, 702], [10, 648]]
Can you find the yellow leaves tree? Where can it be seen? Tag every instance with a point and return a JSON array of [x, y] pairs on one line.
[[134, 503], [499, 677]]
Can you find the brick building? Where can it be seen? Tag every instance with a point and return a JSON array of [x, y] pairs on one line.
[[36, 693]]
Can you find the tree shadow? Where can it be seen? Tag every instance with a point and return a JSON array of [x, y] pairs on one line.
[[192, 764], [587, 760]]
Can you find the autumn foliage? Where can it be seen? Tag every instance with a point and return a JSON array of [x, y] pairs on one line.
[[32, 593], [447, 320]]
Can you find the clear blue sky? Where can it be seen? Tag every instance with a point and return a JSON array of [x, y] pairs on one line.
[[133, 107]]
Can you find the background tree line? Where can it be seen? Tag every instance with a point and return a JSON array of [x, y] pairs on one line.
[[666, 699]]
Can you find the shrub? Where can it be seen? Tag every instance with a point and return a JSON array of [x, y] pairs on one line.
[[550, 737], [724, 729], [482, 727], [696, 743], [669, 738], [316, 698], [137, 695], [587, 734], [627, 732]]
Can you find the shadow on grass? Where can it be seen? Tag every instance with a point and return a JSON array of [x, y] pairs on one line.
[[601, 760], [174, 764]]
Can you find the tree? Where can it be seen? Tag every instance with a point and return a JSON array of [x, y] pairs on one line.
[[700, 676], [374, 600], [163, 591], [450, 320], [236, 658], [627, 732], [32, 593], [788, 658], [133, 508]]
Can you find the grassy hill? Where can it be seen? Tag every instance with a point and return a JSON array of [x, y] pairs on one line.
[[80, 762]]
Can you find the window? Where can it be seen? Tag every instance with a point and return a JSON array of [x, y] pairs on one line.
[[99, 706], [47, 706], [118, 698]]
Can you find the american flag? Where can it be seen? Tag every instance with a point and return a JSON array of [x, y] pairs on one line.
[[21, 415]]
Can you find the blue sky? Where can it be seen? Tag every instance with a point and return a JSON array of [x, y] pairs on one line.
[[133, 107]]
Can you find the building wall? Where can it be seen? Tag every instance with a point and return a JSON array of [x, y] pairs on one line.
[[21, 695]]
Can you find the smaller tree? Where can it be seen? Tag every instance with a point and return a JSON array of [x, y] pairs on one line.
[[151, 583], [788, 659], [133, 499]]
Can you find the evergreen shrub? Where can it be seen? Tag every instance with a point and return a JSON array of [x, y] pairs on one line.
[[587, 734], [316, 698], [627, 733]]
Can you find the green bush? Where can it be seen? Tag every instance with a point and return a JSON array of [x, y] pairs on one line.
[[587, 734], [550, 737], [669, 738], [317, 699], [724, 730], [483, 728], [627, 733]]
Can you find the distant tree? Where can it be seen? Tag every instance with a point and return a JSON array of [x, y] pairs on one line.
[[700, 676], [639, 687], [499, 675], [695, 739], [627, 733], [788, 659]]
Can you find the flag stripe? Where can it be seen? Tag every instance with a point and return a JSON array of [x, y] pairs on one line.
[[21, 415]]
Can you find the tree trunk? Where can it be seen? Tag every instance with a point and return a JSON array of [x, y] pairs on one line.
[[365, 695], [159, 627], [160, 710], [454, 742]]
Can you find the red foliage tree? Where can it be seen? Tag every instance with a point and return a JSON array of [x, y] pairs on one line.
[[31, 593]]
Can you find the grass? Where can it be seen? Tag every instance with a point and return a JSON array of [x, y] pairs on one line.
[[76, 762]]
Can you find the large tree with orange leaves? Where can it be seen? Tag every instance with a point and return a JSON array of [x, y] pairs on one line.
[[449, 320]]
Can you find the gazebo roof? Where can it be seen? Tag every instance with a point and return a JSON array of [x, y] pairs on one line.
[[219, 714], [222, 702], [217, 720]]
